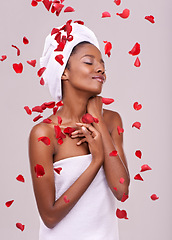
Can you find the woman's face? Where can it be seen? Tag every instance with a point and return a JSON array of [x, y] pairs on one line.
[[86, 69]]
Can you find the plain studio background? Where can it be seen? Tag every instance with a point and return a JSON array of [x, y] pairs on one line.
[[149, 85]]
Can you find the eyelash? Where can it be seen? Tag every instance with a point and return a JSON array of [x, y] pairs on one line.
[[92, 64]]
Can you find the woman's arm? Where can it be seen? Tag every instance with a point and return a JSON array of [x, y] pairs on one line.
[[52, 211]]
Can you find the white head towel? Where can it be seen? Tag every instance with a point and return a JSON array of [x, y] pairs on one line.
[[54, 70]]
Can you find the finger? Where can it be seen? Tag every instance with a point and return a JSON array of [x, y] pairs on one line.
[[90, 128], [81, 141]]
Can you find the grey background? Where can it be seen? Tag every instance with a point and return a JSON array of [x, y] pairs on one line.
[[150, 85]]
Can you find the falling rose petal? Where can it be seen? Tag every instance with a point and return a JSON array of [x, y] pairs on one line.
[[57, 7], [62, 135], [28, 110], [59, 119], [59, 58], [34, 3], [137, 62], [124, 197], [108, 48], [50, 104], [40, 71], [150, 18], [118, 2], [60, 47], [3, 57], [18, 67], [58, 170], [37, 118], [145, 167], [8, 204], [20, 226], [113, 153], [18, 50], [32, 62], [54, 30], [124, 14], [43, 106], [121, 180], [55, 110], [25, 40], [39, 170], [138, 154], [120, 130], [47, 120], [42, 81], [37, 109], [87, 118], [137, 106], [65, 199], [121, 213], [106, 14], [136, 125], [107, 100], [138, 177], [57, 131], [20, 178], [60, 103], [115, 188], [69, 130], [69, 9], [60, 141], [47, 4], [79, 22], [45, 140], [135, 50], [154, 197]]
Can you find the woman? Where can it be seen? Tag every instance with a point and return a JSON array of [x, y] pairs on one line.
[[79, 201]]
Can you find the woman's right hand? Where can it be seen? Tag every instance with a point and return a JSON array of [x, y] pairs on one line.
[[94, 139]]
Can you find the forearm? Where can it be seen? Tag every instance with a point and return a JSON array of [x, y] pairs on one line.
[[114, 167], [60, 208]]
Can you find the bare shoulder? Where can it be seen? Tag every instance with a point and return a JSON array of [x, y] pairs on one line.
[[112, 119], [40, 129]]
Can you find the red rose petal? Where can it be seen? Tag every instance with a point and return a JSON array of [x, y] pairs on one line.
[[120, 130], [57, 131], [28, 110], [118, 2], [96, 120], [121, 213], [20, 178], [145, 167], [138, 154], [58, 170], [135, 50], [45, 140], [39, 170], [40, 71], [20, 226], [137, 63], [107, 100], [106, 14], [60, 47], [115, 188], [55, 110], [32, 62], [65, 199], [59, 119], [138, 177], [69, 9], [154, 197], [59, 58], [79, 22], [69, 130], [137, 106], [47, 4], [18, 50], [34, 3], [121, 180], [57, 7], [124, 197], [113, 153], [150, 18], [47, 120], [25, 40], [60, 140], [50, 104], [37, 109], [136, 125], [42, 81], [18, 68], [107, 48], [8, 204], [124, 14], [3, 57], [37, 118], [87, 118], [54, 30], [60, 103]]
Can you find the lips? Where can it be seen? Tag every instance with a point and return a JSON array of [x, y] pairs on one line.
[[99, 78]]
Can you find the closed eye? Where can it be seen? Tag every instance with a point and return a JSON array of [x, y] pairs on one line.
[[88, 63]]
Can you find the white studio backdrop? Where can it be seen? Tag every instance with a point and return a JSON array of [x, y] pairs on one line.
[[150, 85]]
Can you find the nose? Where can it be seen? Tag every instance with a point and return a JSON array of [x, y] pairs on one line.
[[100, 68]]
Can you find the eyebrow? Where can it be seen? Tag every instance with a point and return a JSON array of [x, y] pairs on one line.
[[89, 55]]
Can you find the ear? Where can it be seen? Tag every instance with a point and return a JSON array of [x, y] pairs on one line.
[[65, 75]]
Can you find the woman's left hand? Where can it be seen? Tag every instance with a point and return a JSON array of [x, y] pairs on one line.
[[94, 107]]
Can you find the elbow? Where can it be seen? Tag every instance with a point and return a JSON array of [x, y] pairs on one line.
[[122, 192], [49, 222]]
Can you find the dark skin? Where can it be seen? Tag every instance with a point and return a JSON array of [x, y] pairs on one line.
[[99, 139]]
